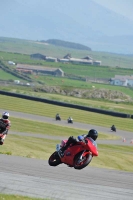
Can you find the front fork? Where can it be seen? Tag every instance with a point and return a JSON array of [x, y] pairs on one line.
[[58, 147], [81, 157]]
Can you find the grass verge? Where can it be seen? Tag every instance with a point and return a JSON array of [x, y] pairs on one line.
[[17, 197], [110, 156], [28, 126], [114, 157], [43, 109], [125, 107]]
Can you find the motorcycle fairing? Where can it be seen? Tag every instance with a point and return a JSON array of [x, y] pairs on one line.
[[71, 152]]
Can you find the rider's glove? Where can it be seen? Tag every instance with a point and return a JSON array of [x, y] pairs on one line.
[[86, 141], [80, 138]]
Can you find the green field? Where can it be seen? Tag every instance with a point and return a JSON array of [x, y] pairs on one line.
[[43, 109], [70, 69], [29, 47], [72, 72], [6, 76]]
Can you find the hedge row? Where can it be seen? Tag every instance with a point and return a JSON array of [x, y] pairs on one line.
[[96, 110]]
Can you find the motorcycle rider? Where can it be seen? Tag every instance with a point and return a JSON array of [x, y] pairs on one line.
[[70, 119], [4, 126], [71, 140], [113, 128], [57, 117]]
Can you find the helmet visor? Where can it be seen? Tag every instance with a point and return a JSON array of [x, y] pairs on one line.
[[5, 117]]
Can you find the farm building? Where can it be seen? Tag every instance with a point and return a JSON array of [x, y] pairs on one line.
[[63, 60], [80, 61], [51, 59], [25, 71], [97, 62], [37, 56], [40, 70], [67, 59], [122, 80], [86, 60]]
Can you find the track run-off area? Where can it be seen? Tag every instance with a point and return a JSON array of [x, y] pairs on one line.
[[35, 178]]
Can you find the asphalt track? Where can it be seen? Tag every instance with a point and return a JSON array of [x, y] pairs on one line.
[[35, 178]]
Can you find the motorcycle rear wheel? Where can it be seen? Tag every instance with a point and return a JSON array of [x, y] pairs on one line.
[[54, 159], [80, 164]]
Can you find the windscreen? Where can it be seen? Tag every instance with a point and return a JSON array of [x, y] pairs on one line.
[[93, 142]]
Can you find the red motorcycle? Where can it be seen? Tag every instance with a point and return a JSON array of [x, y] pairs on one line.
[[78, 155], [2, 129], [2, 138]]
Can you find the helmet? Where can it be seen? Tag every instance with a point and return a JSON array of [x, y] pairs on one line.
[[93, 134], [5, 115]]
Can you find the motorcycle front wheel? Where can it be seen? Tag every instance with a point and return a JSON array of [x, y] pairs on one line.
[[54, 159], [82, 163]]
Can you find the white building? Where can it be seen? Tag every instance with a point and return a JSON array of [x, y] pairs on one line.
[[17, 81], [86, 60], [80, 61], [97, 62], [122, 80], [11, 63], [64, 60], [51, 59]]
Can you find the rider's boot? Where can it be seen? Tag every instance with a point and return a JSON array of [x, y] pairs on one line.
[[62, 150]]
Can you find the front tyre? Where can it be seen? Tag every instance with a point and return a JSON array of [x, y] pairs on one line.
[[54, 159], [82, 163]]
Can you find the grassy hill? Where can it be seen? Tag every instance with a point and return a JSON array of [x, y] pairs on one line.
[[29, 47], [67, 44], [71, 70], [6, 76]]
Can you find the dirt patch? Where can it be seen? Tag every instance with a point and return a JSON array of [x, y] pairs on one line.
[[93, 93]]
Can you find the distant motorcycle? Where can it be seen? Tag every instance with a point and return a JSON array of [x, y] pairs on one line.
[[57, 117], [113, 128], [78, 155], [70, 120]]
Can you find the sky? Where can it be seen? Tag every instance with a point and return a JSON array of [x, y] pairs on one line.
[[58, 19], [123, 7]]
